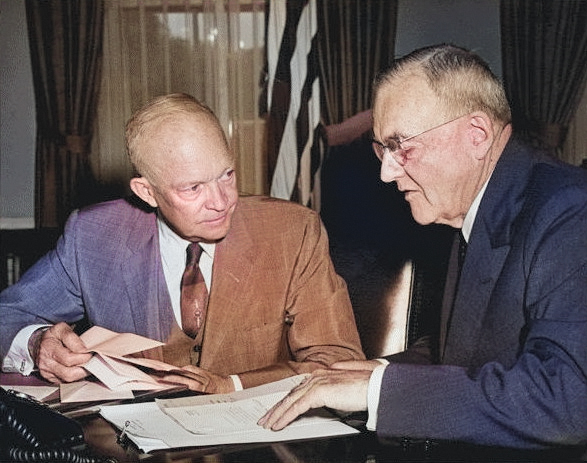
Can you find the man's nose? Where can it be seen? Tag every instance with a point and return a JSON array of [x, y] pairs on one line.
[[217, 196], [391, 170]]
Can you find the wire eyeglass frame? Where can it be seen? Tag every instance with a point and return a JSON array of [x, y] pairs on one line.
[[394, 145]]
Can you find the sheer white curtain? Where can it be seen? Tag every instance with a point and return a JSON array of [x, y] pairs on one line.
[[212, 49]]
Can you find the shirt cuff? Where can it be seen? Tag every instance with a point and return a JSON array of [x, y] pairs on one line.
[[238, 386], [373, 392], [18, 359]]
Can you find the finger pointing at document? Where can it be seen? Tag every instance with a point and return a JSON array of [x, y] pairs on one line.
[[343, 390]]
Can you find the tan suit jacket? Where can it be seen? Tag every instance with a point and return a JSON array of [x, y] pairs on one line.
[[276, 307]]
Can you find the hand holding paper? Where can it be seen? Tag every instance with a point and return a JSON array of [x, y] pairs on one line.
[[113, 369], [59, 354]]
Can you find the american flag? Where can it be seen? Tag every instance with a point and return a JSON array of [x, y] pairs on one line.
[[293, 101]]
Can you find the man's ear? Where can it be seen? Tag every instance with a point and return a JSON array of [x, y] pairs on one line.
[[143, 189], [480, 132]]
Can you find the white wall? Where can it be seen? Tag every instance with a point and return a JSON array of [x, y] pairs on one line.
[[17, 119], [470, 23]]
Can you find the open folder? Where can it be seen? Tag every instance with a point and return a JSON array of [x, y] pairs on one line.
[[218, 419]]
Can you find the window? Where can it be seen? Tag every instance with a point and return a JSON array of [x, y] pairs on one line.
[[210, 49]]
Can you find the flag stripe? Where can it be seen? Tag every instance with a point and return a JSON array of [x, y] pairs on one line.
[[295, 168], [306, 164], [281, 40]]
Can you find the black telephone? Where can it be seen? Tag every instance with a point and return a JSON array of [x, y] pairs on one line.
[[31, 431]]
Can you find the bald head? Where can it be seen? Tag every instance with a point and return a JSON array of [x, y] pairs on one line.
[[160, 117]]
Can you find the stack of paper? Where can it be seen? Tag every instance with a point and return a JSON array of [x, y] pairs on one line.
[[218, 419]]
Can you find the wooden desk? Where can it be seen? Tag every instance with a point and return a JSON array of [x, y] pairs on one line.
[[101, 438]]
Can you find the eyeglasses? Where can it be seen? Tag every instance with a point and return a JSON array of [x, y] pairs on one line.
[[394, 147]]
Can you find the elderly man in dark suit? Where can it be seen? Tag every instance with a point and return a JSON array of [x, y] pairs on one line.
[[272, 305], [512, 363]]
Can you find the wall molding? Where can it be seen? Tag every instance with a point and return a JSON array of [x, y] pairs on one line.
[[16, 223]]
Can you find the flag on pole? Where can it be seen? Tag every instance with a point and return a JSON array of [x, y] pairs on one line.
[[293, 101]]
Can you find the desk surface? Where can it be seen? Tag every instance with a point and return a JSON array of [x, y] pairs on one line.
[[360, 448]]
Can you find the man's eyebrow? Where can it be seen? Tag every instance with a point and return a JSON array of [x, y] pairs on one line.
[[395, 137]]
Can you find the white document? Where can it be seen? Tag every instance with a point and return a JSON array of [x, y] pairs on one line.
[[283, 385], [228, 419], [224, 417], [239, 411]]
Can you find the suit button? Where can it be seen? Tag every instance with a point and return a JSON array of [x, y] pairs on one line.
[[195, 355]]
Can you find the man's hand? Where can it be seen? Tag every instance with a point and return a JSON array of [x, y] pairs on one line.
[[343, 390], [59, 354], [201, 380]]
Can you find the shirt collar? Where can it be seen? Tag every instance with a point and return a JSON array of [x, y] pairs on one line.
[[171, 240], [472, 213]]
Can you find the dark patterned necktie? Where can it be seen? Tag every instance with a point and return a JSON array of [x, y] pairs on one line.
[[194, 294], [457, 258], [462, 251]]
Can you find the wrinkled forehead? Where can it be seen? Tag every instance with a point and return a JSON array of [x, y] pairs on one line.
[[199, 130], [183, 120], [186, 142], [404, 105]]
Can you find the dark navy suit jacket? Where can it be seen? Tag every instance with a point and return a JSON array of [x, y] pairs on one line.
[[513, 367]]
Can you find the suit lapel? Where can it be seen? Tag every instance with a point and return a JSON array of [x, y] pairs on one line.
[[142, 274], [489, 245], [231, 279], [480, 272]]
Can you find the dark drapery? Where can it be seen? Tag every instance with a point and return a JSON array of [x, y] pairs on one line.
[[65, 39], [357, 40], [544, 49]]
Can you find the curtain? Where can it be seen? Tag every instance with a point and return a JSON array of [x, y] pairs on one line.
[[357, 40], [65, 39], [544, 51], [212, 50]]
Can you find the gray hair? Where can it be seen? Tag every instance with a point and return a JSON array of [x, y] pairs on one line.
[[460, 78]]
